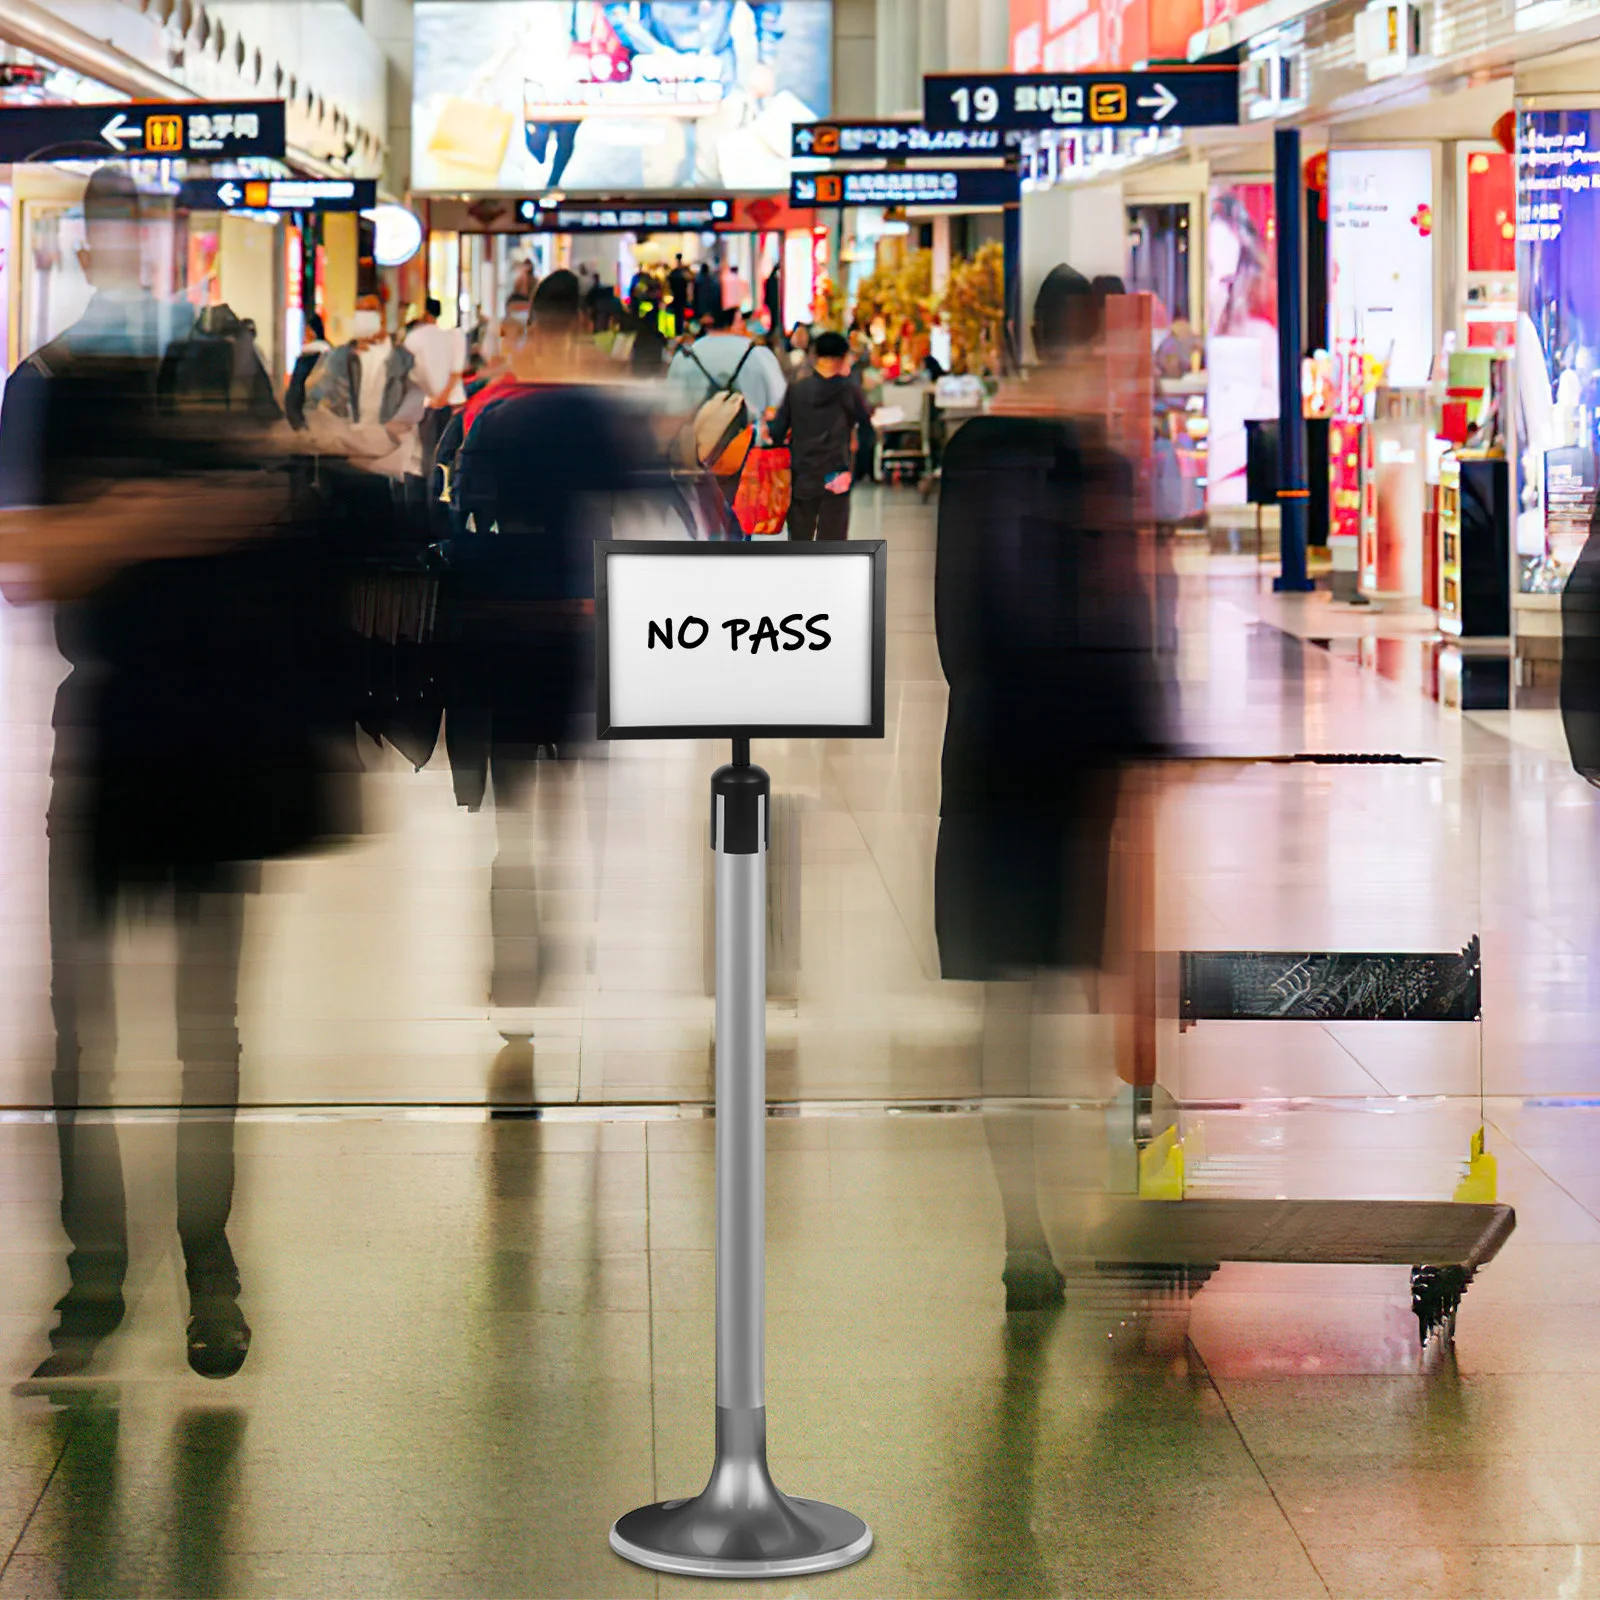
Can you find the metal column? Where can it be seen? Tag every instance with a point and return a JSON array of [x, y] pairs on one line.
[[1292, 491], [741, 1524]]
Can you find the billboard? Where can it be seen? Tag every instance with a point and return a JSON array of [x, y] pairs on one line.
[[1241, 329], [1380, 258], [1100, 35], [1558, 340], [630, 96]]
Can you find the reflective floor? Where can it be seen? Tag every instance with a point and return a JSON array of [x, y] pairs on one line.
[[478, 1340]]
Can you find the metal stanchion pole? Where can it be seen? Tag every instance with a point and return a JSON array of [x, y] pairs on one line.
[[741, 1524]]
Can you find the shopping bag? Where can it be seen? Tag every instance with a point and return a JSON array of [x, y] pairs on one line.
[[762, 502]]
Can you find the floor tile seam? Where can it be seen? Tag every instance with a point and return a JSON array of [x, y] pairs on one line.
[[1266, 1483], [1545, 1173], [872, 855], [1367, 1071], [33, 1510]]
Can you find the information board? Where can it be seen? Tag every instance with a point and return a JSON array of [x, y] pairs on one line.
[[906, 186], [278, 194], [1171, 97], [623, 216], [741, 641], [219, 129], [868, 141]]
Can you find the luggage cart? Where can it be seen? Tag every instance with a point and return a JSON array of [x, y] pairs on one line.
[[1262, 1144], [901, 455]]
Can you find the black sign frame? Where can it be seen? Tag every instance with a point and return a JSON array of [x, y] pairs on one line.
[[974, 186], [533, 217], [1006, 141], [206, 194], [877, 550], [178, 130], [1166, 97]]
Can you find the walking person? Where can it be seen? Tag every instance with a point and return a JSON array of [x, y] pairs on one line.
[[440, 357], [820, 418], [193, 734]]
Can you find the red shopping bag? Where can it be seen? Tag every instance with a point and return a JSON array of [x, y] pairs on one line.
[[762, 502]]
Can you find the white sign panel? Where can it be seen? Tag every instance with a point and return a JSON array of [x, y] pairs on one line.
[[748, 641], [1380, 242]]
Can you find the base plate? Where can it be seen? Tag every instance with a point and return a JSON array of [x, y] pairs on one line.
[[707, 1538]]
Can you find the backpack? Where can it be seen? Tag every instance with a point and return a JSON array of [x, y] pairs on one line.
[[722, 431]]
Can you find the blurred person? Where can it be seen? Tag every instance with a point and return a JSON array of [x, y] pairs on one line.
[[305, 364], [680, 294], [1043, 628], [537, 477], [726, 386], [707, 294], [439, 357], [364, 400], [821, 417], [799, 348], [772, 295], [197, 733], [733, 354]]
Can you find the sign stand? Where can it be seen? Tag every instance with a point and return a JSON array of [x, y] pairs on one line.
[[741, 1524], [740, 641]]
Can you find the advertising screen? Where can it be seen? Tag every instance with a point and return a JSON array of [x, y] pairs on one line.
[[1558, 339], [1380, 248], [1100, 35], [631, 96], [1241, 329]]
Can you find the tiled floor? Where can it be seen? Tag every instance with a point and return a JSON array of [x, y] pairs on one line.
[[478, 1341]]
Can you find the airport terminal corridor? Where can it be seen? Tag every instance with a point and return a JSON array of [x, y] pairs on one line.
[[479, 1268]]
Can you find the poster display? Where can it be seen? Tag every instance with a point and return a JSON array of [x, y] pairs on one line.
[[1558, 340], [1380, 266], [1241, 329], [1100, 35], [631, 96]]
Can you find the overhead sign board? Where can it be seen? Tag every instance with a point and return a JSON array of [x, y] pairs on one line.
[[906, 186], [623, 216], [214, 129], [1171, 97], [868, 141], [728, 640], [278, 194]]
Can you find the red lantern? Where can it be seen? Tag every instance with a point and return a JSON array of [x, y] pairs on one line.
[[1505, 132], [1316, 170]]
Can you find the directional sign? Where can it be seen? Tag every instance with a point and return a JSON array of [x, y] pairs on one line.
[[866, 141], [905, 186], [211, 128], [623, 216], [278, 194], [744, 640], [1173, 97]]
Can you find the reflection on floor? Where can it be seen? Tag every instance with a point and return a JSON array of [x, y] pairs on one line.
[[478, 1340]]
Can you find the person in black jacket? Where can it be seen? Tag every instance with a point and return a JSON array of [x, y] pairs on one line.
[[819, 419], [192, 733], [1043, 628]]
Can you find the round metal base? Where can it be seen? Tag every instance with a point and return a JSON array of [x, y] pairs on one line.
[[705, 1537]]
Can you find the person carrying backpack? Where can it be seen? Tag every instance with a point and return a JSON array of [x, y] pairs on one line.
[[727, 385]]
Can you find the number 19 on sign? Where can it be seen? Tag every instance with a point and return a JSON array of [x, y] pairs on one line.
[[976, 105]]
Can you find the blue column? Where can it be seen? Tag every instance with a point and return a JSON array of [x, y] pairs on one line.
[[1292, 492]]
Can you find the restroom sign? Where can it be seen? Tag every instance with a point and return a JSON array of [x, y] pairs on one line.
[[740, 641], [220, 128]]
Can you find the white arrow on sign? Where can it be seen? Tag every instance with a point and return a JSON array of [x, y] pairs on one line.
[[805, 139], [117, 133], [229, 195], [1164, 100]]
